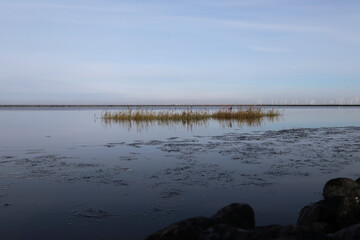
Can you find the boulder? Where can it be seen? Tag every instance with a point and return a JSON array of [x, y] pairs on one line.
[[188, 229], [224, 232], [348, 212], [321, 216], [225, 224], [340, 207], [290, 232], [341, 187], [357, 181], [335, 217], [349, 233], [237, 215]]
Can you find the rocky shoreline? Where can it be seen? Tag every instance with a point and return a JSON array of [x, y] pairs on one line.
[[335, 217]]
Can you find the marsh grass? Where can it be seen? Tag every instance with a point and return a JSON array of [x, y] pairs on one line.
[[251, 113], [190, 116]]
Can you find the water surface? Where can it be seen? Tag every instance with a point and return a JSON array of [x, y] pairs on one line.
[[64, 173]]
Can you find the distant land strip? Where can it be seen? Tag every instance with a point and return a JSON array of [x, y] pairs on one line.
[[180, 105]]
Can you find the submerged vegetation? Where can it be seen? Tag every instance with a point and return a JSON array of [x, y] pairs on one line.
[[188, 116]]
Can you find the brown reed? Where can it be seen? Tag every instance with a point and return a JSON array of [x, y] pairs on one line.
[[189, 115]]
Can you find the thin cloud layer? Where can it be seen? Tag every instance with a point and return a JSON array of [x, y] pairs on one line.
[[178, 52]]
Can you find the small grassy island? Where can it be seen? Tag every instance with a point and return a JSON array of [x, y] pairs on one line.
[[190, 115]]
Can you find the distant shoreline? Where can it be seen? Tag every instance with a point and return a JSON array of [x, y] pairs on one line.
[[177, 105]]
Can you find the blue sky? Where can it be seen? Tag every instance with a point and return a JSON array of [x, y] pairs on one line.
[[178, 52]]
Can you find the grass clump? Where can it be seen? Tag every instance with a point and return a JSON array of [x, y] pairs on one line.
[[187, 116], [148, 115], [245, 114]]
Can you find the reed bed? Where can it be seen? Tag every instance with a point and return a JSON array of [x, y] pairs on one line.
[[189, 115], [245, 114]]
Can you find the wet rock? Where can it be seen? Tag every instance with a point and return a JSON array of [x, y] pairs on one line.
[[237, 215], [188, 229], [286, 233], [341, 187], [349, 233]]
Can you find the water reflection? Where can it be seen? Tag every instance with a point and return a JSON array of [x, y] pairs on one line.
[[187, 125]]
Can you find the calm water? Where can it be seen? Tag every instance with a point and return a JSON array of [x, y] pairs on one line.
[[64, 173]]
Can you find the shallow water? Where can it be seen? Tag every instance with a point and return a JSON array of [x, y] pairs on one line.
[[64, 173]]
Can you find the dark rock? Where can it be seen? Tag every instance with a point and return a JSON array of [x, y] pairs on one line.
[[224, 232], [188, 229], [357, 181], [330, 219], [323, 227], [341, 187], [224, 224], [286, 233], [331, 214], [237, 215], [349, 233], [348, 212], [322, 216]]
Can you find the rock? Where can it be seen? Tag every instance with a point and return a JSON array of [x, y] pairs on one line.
[[331, 214], [357, 181], [348, 212], [349, 233], [335, 217], [341, 187], [188, 229], [286, 233], [224, 232], [322, 216], [237, 215], [223, 225], [323, 227]]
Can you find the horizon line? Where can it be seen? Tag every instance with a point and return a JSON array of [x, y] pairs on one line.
[[175, 105]]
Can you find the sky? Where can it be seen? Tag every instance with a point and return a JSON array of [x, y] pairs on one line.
[[179, 52]]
